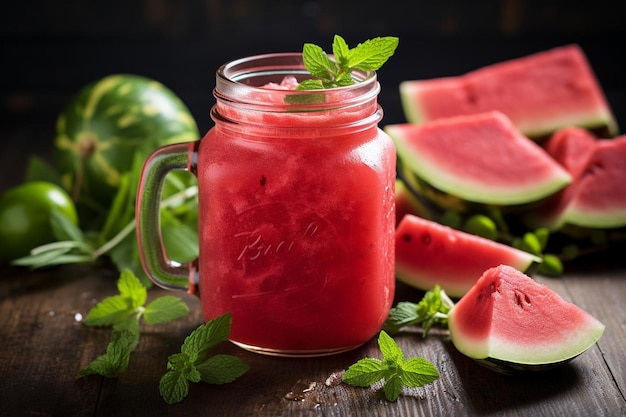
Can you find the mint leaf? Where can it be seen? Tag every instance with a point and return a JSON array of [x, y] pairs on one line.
[[393, 369], [123, 312], [430, 311], [222, 369], [418, 372], [372, 54], [132, 289], [341, 50], [392, 388], [190, 365], [367, 56], [164, 309], [116, 308], [109, 311], [365, 372], [317, 62], [174, 386], [115, 361], [207, 336]]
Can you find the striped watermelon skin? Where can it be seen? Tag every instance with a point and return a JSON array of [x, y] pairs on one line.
[[109, 123]]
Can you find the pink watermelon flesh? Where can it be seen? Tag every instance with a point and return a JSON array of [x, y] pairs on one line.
[[428, 253], [509, 317], [597, 196], [541, 93], [480, 158], [571, 147]]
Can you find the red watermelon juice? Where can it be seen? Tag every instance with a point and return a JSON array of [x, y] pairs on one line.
[[296, 211]]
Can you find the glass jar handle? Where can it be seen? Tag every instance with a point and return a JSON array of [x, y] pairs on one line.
[[160, 269]]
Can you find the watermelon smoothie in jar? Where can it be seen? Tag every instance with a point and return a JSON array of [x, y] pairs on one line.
[[296, 210]]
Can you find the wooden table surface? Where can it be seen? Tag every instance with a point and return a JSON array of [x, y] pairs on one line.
[[44, 345]]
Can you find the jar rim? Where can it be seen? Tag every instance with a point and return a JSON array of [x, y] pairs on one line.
[[242, 80]]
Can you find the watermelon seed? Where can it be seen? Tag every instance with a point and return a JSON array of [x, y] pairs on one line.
[[426, 239], [263, 180], [406, 238], [521, 299]]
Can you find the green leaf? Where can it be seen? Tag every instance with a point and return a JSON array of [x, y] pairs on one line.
[[417, 372], [431, 310], [365, 372], [109, 311], [373, 53], [390, 350], [132, 289], [164, 309], [367, 56], [392, 388], [174, 386], [131, 325], [178, 361], [222, 369], [317, 62], [115, 361], [121, 210], [393, 369], [341, 51], [206, 336], [63, 228], [309, 84]]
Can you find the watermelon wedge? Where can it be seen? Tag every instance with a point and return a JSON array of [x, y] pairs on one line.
[[571, 147], [429, 253], [596, 199], [540, 93], [508, 321], [481, 158]]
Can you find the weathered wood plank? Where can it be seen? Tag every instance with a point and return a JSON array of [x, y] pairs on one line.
[[45, 347]]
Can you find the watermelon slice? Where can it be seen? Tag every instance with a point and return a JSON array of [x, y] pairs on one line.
[[481, 158], [596, 199], [429, 253], [509, 321], [571, 147], [541, 93]]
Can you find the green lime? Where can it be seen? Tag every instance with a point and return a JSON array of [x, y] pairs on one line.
[[25, 217]]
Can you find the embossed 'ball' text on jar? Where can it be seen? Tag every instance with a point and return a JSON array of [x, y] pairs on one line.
[[296, 210]]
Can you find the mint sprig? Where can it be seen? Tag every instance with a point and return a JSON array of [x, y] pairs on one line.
[[123, 312], [367, 56], [190, 365], [396, 371], [432, 310]]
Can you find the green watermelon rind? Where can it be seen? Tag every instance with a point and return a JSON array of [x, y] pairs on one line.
[[599, 121], [609, 219], [570, 209], [506, 355], [465, 188], [122, 113], [592, 111]]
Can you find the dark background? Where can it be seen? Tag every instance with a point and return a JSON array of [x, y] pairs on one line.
[[50, 49]]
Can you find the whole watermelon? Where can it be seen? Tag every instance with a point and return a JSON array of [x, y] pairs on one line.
[[107, 123]]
